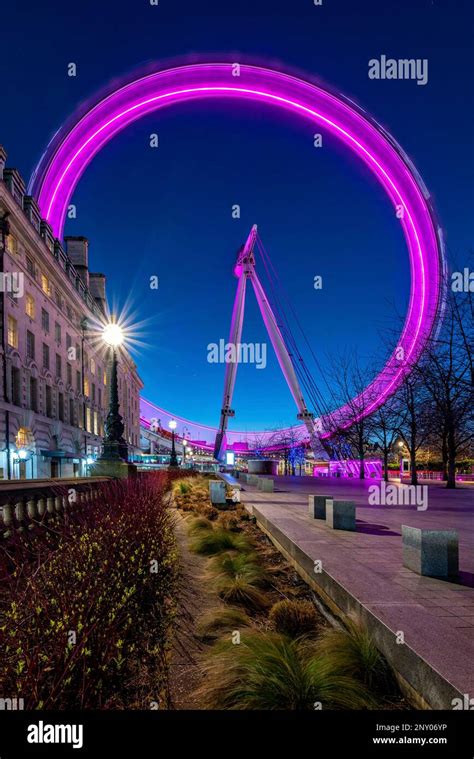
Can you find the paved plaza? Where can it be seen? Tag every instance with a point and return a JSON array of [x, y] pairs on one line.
[[364, 571]]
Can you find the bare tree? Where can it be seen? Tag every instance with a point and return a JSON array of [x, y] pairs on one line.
[[412, 418], [287, 441], [384, 430], [447, 374], [350, 382]]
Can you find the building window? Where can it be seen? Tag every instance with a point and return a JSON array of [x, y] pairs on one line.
[[45, 356], [30, 344], [45, 284], [30, 267], [58, 366], [58, 299], [88, 419], [92, 366], [80, 416], [57, 332], [61, 407], [96, 423], [69, 374], [16, 386], [24, 438], [93, 393], [12, 244], [78, 382], [12, 332], [100, 398], [71, 411], [68, 341], [30, 306], [44, 320], [78, 353], [86, 386], [34, 394], [105, 377], [49, 401]]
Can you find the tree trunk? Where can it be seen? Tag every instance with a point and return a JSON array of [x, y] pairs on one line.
[[414, 473], [385, 464], [451, 446], [444, 457]]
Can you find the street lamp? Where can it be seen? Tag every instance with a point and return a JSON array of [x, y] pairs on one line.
[[114, 444], [173, 457], [185, 442]]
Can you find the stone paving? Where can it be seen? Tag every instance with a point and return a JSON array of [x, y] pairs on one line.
[[435, 616]]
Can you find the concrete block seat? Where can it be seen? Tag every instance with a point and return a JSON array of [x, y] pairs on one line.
[[217, 490], [432, 553], [265, 484], [317, 505], [341, 515]]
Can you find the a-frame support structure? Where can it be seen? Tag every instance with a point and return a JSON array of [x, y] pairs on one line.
[[244, 270]]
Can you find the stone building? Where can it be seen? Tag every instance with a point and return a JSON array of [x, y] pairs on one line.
[[54, 365]]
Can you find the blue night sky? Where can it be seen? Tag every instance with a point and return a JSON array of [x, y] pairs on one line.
[[167, 212]]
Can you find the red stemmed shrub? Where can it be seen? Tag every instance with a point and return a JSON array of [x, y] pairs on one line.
[[87, 602]]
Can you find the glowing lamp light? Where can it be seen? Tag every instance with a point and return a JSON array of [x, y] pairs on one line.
[[185, 442], [22, 454], [89, 460], [172, 424], [113, 334]]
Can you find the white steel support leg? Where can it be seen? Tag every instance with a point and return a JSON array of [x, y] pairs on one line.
[[231, 367]]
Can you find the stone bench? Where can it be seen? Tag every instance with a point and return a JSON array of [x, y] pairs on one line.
[[252, 479], [317, 505], [265, 484], [217, 491], [432, 553], [341, 515]]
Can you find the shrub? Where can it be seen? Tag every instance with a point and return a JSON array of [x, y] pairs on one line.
[[198, 525], [217, 621], [229, 522], [239, 590], [294, 618], [90, 600], [271, 671], [244, 565], [354, 651], [214, 541]]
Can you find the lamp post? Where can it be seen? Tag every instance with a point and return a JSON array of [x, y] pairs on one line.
[[112, 461], [185, 442], [173, 457]]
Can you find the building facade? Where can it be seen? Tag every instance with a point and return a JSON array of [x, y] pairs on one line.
[[55, 366]]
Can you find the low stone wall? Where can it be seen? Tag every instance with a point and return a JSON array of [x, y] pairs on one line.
[[29, 504]]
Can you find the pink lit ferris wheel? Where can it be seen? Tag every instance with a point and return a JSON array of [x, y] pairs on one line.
[[71, 151]]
